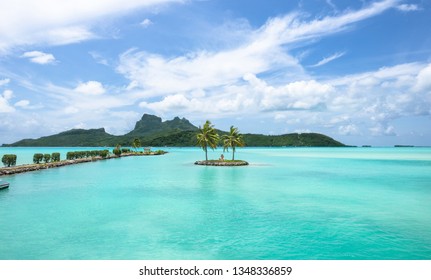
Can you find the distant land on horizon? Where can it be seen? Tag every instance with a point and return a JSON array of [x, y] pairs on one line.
[[152, 131]]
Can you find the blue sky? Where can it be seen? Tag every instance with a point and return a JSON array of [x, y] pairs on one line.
[[358, 71]]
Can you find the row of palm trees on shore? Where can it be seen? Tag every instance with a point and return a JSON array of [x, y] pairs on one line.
[[207, 136]]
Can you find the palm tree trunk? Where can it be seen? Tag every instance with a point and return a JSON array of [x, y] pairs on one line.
[[233, 153], [206, 154]]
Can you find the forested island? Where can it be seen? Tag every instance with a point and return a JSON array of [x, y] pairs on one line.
[[152, 131]]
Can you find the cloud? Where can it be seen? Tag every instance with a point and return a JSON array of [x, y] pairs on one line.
[[5, 107], [4, 82], [91, 88], [26, 104], [7, 94], [22, 103], [55, 22], [408, 7], [423, 79], [348, 129], [384, 130], [329, 2], [40, 57], [64, 35], [291, 29], [298, 95], [264, 50], [146, 22], [99, 58], [160, 75], [328, 59], [351, 105]]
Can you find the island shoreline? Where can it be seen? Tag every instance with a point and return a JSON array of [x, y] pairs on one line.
[[221, 163], [24, 168]]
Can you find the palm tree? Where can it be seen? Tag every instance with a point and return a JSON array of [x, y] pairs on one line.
[[233, 139], [136, 144], [207, 137]]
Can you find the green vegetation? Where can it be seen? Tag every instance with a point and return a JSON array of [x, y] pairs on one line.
[[46, 158], [70, 138], [125, 150], [403, 146], [70, 155], [9, 160], [151, 131], [103, 153], [136, 144], [86, 154], [207, 137], [37, 158], [232, 140], [291, 140], [117, 150], [55, 157]]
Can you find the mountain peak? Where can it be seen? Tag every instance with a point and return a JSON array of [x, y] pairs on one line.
[[147, 122], [150, 124]]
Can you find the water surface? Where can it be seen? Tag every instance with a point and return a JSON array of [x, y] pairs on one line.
[[290, 203]]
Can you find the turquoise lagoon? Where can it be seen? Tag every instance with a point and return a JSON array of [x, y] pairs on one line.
[[290, 203]]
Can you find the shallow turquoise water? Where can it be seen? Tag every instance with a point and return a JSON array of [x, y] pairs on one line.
[[290, 203]]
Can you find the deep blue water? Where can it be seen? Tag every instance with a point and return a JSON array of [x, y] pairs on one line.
[[290, 203]]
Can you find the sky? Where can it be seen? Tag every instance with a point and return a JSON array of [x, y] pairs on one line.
[[358, 71]]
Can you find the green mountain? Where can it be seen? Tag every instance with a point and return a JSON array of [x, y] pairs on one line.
[[150, 125], [70, 138], [152, 131], [291, 140]]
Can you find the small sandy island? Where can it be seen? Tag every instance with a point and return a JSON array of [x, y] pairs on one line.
[[222, 162]]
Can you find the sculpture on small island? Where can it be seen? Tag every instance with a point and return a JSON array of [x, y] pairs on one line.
[[208, 137]]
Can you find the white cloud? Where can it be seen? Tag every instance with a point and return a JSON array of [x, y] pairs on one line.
[[328, 59], [99, 58], [233, 100], [408, 7], [349, 129], [298, 95], [4, 82], [70, 110], [40, 57], [91, 88], [290, 29], [381, 129], [7, 94], [56, 22], [263, 51], [22, 103], [146, 22], [161, 75], [175, 102], [5, 107], [64, 35], [423, 79], [363, 102]]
